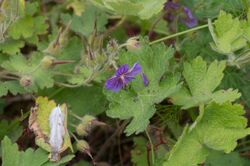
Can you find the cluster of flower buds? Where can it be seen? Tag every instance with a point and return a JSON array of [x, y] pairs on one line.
[[87, 123]]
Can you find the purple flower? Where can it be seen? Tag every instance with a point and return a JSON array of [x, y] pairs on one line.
[[123, 76], [189, 19], [172, 9]]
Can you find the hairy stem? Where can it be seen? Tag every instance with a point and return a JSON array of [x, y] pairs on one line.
[[179, 33]]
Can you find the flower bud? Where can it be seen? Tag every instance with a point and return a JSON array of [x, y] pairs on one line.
[[133, 44], [83, 146], [47, 61], [81, 130], [87, 119], [25, 81]]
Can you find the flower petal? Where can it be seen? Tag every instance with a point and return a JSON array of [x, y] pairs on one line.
[[127, 79], [122, 70], [145, 79], [189, 20], [114, 83], [136, 69]]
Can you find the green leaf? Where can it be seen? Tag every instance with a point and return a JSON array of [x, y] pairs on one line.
[[151, 8], [71, 51], [227, 34], [11, 86], [198, 45], [31, 8], [23, 27], [13, 157], [11, 47], [235, 78], [246, 27], [144, 9], [39, 28], [20, 66], [28, 27], [201, 84], [217, 128], [231, 159], [138, 105], [78, 6], [85, 23], [12, 129]]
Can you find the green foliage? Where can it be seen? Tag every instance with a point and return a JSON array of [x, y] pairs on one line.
[[144, 9], [62, 50], [231, 159], [25, 27], [39, 77], [11, 46], [13, 157], [227, 34], [11, 86], [231, 37], [217, 128], [138, 104], [236, 78], [202, 82], [11, 129], [85, 23], [139, 153], [22, 28], [198, 45], [38, 157]]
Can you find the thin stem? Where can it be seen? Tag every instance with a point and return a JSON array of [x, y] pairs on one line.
[[151, 146], [74, 136], [75, 116], [178, 34], [56, 92]]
